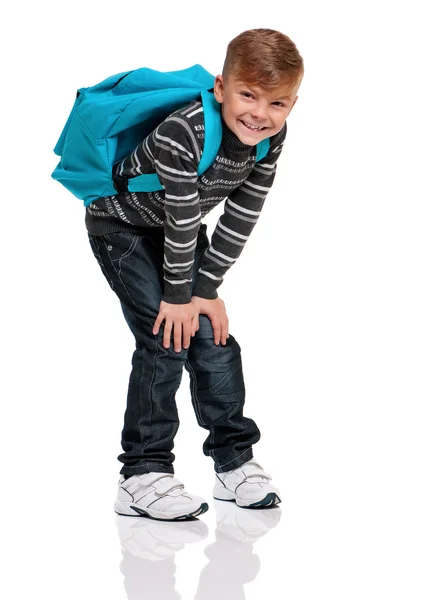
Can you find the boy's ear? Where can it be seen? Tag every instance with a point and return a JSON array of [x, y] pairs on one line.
[[219, 88]]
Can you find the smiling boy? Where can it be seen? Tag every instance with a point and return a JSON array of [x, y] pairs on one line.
[[155, 254]]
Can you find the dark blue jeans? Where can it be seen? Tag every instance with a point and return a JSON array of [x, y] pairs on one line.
[[132, 265]]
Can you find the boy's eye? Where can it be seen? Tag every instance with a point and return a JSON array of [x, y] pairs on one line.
[[246, 94], [279, 104]]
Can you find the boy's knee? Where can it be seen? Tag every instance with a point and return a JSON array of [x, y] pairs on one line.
[[202, 344], [205, 328]]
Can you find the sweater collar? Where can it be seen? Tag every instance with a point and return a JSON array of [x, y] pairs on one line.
[[232, 143]]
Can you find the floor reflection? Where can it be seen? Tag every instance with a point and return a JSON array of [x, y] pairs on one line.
[[233, 562], [148, 549]]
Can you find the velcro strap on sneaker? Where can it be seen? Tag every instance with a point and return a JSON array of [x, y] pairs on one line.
[[255, 470], [148, 479], [261, 474], [167, 484]]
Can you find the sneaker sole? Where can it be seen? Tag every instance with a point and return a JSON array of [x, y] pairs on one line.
[[131, 510], [270, 500]]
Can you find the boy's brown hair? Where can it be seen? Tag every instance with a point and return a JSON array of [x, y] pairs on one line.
[[264, 57]]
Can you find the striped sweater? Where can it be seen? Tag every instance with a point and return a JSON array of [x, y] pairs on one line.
[[173, 150]]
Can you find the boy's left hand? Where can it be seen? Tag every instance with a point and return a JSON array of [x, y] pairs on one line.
[[215, 311]]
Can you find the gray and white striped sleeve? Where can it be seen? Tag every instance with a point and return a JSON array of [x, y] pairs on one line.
[[176, 154], [241, 212]]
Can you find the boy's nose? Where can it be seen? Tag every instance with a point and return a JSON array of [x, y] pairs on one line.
[[259, 111]]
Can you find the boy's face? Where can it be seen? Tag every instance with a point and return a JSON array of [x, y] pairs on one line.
[[251, 112]]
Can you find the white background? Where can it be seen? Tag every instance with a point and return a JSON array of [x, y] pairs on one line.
[[335, 303]]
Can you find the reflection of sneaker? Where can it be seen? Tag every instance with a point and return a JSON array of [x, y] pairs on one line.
[[248, 485], [157, 496], [244, 525], [232, 561], [149, 539]]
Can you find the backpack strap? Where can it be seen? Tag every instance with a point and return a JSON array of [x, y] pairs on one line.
[[213, 130], [262, 149], [213, 136]]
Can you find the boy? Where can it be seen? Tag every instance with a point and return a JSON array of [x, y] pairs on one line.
[[157, 258]]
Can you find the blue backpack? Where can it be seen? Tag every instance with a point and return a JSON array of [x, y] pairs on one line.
[[110, 119]]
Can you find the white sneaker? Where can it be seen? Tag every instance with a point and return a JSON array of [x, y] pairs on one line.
[[157, 496], [248, 485]]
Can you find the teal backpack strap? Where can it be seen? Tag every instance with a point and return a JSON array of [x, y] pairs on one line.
[[262, 149], [213, 137], [213, 130]]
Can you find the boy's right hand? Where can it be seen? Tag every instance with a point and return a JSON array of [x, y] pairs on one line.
[[183, 319]]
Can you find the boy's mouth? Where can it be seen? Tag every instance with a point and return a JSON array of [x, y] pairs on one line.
[[251, 127]]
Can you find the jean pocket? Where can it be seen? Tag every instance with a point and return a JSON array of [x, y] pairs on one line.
[[119, 246], [115, 250]]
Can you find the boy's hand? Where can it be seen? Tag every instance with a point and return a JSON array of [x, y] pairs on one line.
[[182, 318], [215, 311]]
